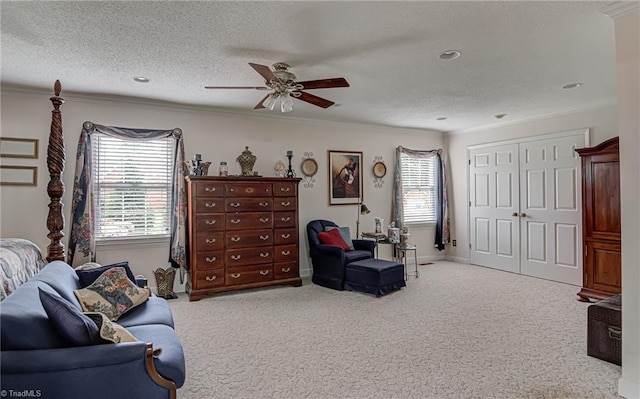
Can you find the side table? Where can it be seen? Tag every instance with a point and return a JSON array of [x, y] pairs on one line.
[[401, 253]]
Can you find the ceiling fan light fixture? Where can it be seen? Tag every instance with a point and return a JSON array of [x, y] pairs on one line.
[[270, 102], [286, 104], [141, 79]]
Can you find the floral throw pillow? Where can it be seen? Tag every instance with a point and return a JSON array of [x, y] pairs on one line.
[[110, 331], [112, 294]]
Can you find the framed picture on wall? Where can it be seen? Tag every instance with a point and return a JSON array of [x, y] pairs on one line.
[[345, 177]]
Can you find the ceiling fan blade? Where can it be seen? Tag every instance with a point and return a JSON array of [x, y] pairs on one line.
[[315, 100], [265, 71], [238, 87], [259, 105], [324, 83]]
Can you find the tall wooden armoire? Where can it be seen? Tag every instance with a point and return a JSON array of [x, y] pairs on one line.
[[601, 226]]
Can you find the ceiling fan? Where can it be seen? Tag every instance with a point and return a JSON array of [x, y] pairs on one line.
[[283, 86]]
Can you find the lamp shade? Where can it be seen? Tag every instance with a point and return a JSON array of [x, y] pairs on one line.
[[364, 210]]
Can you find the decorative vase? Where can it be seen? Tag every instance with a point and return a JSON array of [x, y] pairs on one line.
[[246, 161], [205, 167], [164, 282]]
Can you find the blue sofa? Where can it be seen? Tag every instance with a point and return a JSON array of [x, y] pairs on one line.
[[34, 357]]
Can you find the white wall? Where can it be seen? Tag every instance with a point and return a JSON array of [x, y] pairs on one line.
[[218, 137], [627, 29], [602, 122]]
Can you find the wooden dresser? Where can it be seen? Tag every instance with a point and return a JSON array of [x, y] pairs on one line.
[[242, 233], [601, 223]]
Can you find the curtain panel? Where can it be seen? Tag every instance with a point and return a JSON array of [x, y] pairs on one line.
[[442, 203], [82, 242]]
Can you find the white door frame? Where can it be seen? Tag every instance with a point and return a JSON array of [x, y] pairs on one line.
[[584, 131]]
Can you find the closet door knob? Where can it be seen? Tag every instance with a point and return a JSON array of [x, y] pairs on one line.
[[524, 215], [514, 214]]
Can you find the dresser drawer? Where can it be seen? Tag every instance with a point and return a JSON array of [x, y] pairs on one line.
[[284, 189], [249, 220], [284, 219], [249, 204], [209, 189], [249, 238], [285, 236], [285, 204], [212, 222], [285, 270], [248, 256], [209, 205], [207, 241], [285, 253], [209, 279], [247, 275], [209, 260], [254, 189]]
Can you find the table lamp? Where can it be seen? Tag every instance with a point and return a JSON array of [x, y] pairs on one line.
[[362, 210]]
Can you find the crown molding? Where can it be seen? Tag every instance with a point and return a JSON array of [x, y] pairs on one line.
[[619, 8]]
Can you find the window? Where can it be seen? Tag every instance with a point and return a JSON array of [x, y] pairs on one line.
[[132, 182], [418, 189]]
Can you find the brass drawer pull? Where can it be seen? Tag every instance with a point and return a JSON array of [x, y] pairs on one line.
[[264, 254], [235, 221], [263, 238], [235, 239], [286, 253], [210, 278], [286, 269], [284, 189], [210, 222], [210, 241], [210, 204], [236, 257], [231, 189], [285, 219], [264, 272], [264, 220], [234, 204], [285, 203], [264, 204], [210, 260], [210, 189], [235, 275], [285, 235]]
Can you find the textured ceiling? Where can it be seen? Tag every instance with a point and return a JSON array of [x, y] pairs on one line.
[[516, 56]]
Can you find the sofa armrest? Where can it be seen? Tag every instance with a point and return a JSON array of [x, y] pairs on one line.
[[365, 245], [97, 371]]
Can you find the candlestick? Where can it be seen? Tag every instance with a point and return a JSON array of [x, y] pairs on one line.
[[290, 172]]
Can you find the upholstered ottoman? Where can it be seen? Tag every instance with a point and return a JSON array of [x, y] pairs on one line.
[[374, 276], [604, 330]]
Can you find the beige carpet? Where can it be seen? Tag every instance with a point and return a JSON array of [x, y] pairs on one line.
[[458, 331]]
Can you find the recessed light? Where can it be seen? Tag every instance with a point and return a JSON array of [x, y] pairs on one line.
[[141, 79], [500, 116], [572, 85], [441, 118], [450, 55]]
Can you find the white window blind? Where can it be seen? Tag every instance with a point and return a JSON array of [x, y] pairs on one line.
[[418, 189], [132, 182]]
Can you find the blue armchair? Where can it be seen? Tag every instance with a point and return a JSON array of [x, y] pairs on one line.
[[329, 261]]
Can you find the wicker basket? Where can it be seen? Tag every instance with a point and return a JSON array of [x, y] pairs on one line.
[[164, 281]]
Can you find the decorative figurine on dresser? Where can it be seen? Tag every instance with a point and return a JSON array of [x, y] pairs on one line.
[[243, 233]]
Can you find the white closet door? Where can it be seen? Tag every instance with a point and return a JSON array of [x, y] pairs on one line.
[[493, 210], [550, 209]]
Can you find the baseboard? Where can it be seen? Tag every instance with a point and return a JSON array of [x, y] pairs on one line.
[[458, 259], [628, 389]]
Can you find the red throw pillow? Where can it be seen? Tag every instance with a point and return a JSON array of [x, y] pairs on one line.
[[333, 237]]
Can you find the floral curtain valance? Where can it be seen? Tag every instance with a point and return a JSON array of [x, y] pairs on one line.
[[82, 243], [442, 206]]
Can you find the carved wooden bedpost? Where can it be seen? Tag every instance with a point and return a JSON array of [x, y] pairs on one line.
[[55, 188]]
